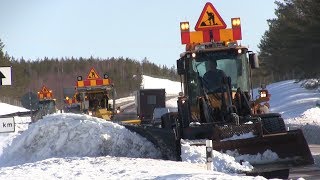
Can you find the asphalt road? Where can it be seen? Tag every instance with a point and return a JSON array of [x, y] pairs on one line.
[[308, 172]]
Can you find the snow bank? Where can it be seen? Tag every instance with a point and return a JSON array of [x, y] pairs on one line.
[[290, 99], [74, 135], [221, 162]]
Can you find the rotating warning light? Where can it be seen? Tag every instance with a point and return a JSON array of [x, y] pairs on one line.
[[184, 26], [235, 22], [236, 28]]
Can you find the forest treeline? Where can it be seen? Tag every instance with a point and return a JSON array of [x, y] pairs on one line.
[[61, 74], [289, 48]]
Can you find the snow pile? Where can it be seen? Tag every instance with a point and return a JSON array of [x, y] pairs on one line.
[[310, 83], [21, 124], [221, 162], [240, 136], [310, 116], [6, 139], [265, 157], [309, 123], [69, 135]]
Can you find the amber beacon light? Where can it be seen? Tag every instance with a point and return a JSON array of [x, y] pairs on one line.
[[184, 26]]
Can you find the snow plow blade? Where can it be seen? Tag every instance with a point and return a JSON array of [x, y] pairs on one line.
[[291, 148], [163, 139]]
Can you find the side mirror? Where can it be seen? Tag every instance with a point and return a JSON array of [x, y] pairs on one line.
[[105, 76], [253, 60], [180, 66]]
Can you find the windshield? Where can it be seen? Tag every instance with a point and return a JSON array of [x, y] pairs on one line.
[[234, 66], [231, 63]]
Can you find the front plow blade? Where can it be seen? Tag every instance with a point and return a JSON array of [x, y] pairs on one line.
[[291, 147]]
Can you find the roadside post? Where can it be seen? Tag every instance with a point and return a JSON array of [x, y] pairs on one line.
[[209, 154]]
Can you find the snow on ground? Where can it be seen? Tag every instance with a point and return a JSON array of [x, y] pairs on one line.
[[171, 87], [70, 146], [297, 106], [10, 109], [289, 99]]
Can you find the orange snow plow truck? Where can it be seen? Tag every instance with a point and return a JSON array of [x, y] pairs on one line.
[[219, 106]]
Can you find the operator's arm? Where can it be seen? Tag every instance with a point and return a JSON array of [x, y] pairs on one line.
[[206, 81]]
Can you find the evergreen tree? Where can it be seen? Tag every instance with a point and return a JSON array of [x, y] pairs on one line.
[[291, 44]]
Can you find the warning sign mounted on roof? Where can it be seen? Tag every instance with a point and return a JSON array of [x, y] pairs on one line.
[[44, 90], [45, 93], [210, 19], [93, 74]]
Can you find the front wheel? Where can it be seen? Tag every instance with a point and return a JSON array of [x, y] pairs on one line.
[[272, 123]]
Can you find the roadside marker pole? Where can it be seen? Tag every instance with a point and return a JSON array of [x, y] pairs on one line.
[[209, 154]]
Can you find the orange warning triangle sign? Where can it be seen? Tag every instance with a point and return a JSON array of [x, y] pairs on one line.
[[44, 90], [210, 19], [93, 74]]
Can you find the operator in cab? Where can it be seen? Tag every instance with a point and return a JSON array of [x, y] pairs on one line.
[[213, 78]]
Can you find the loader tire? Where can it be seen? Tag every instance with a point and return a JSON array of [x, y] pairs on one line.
[[272, 123]]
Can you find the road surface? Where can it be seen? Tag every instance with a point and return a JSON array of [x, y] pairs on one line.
[[309, 172]]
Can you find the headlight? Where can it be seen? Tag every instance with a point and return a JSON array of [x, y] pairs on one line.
[[263, 94]]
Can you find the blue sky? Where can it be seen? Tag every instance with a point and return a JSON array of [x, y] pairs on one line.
[[108, 28]]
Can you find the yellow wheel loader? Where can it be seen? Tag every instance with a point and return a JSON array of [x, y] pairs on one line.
[[219, 113], [94, 93], [46, 104], [96, 96]]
